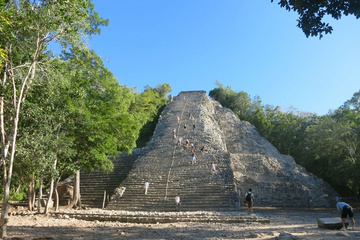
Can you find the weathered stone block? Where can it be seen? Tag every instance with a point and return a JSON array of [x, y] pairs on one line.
[[330, 223]]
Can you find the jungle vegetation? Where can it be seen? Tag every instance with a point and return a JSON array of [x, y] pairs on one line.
[[60, 111]]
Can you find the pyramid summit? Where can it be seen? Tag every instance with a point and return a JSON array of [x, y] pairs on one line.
[[217, 138]]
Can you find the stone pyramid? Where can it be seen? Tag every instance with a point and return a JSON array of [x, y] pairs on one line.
[[243, 159]]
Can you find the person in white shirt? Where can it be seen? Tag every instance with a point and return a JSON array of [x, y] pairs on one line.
[[213, 167], [177, 201], [146, 187], [345, 210]]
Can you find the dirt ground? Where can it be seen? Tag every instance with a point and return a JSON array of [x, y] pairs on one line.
[[284, 224]]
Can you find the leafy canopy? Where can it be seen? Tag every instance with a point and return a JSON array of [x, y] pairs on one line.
[[311, 13]]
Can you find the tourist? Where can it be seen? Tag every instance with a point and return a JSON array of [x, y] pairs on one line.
[[174, 133], [202, 149], [249, 197], [185, 127], [179, 141], [177, 201], [193, 158], [345, 210], [213, 167], [192, 148], [194, 127], [146, 187]]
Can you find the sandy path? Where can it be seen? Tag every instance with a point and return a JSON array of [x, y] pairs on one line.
[[285, 224]]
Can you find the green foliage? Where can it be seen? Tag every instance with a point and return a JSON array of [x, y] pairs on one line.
[[104, 122], [68, 102], [16, 196], [148, 129], [327, 146], [334, 140], [148, 107], [79, 115], [311, 13], [42, 139], [240, 102]]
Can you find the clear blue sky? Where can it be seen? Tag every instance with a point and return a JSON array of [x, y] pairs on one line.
[[250, 45]]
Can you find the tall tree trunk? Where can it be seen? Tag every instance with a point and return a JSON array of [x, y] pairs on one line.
[[7, 175], [5, 210], [30, 193], [33, 192], [50, 201], [77, 189], [4, 151], [18, 98], [40, 197], [56, 197], [76, 201], [29, 201]]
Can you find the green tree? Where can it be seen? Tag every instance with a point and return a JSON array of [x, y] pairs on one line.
[[147, 109], [285, 130], [239, 102], [81, 104], [100, 121], [353, 103], [33, 25], [312, 13], [41, 139], [334, 141], [3, 23], [163, 90]]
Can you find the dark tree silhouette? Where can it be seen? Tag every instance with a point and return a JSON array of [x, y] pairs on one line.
[[311, 13]]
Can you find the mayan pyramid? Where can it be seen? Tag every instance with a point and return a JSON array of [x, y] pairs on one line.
[[243, 159]]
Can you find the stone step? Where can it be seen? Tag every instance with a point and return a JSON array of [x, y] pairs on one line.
[[194, 198], [160, 207], [331, 223], [188, 202]]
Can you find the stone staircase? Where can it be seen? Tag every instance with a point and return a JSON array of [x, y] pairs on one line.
[[167, 167], [97, 187]]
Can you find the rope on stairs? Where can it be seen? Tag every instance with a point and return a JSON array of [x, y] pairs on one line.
[[173, 154]]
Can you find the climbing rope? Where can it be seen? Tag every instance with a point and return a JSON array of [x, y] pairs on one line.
[[173, 154]]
